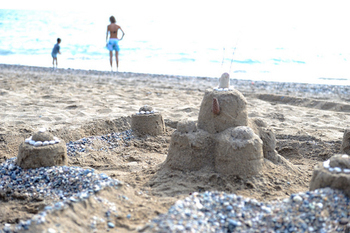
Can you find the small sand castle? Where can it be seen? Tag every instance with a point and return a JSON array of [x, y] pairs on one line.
[[42, 150], [147, 121], [224, 138], [335, 172]]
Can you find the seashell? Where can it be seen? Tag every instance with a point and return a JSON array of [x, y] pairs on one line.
[[52, 142], [326, 164], [147, 112], [225, 89], [138, 113], [142, 112], [152, 112], [216, 106], [216, 89], [55, 138], [42, 130], [38, 143], [331, 169], [31, 142], [345, 156], [46, 143], [346, 170], [57, 141], [27, 140]]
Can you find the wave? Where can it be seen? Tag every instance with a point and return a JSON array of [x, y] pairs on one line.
[[5, 52]]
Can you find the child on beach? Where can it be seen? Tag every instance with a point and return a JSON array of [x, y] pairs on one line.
[[55, 51]]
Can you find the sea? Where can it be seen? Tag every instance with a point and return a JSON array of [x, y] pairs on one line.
[[282, 41]]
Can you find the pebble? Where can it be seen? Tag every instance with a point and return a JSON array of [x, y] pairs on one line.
[[337, 169], [301, 212], [297, 198], [112, 140], [38, 143], [326, 164], [45, 143], [62, 184], [111, 225]]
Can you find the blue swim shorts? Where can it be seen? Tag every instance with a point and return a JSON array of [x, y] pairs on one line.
[[113, 44], [54, 55]]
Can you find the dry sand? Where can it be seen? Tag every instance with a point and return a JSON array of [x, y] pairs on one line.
[[309, 122]]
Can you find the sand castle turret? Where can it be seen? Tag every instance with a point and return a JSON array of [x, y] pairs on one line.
[[222, 109], [222, 140], [42, 150], [333, 173], [147, 121], [239, 151]]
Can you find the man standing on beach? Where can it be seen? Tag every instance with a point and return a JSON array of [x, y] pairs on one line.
[[112, 43], [55, 51]]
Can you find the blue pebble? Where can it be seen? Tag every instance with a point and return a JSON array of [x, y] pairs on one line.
[[111, 225]]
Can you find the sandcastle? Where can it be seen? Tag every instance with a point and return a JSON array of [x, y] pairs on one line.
[[224, 138], [147, 121], [335, 172], [42, 150]]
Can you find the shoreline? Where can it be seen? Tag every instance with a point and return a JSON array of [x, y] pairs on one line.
[[239, 82]]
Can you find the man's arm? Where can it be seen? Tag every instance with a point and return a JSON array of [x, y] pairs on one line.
[[122, 32], [107, 36]]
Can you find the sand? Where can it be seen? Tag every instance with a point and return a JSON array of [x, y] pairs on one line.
[[309, 122]]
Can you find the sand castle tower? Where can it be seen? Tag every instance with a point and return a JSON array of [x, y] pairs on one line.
[[147, 121], [222, 139], [42, 150], [333, 173]]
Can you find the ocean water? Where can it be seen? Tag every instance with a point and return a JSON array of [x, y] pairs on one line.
[[295, 41]]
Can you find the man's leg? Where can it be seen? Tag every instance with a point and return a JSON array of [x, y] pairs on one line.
[[117, 59], [111, 59]]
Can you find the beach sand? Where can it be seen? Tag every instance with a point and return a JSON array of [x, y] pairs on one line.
[[308, 120]]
